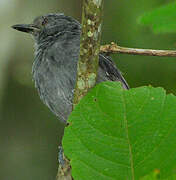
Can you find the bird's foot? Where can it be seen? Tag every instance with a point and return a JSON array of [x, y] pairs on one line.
[[61, 156]]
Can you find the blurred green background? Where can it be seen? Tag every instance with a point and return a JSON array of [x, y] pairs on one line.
[[29, 132]]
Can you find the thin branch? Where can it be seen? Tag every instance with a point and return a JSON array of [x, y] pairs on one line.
[[114, 48]]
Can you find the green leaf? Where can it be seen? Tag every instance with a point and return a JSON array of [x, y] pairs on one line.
[[162, 20], [154, 175], [115, 134]]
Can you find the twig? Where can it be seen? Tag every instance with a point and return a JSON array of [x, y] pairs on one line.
[[114, 48]]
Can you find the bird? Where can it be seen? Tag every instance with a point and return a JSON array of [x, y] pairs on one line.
[[54, 70]]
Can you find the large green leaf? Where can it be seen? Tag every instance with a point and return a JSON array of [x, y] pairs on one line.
[[162, 20], [115, 134]]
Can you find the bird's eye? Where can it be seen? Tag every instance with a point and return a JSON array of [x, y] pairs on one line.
[[45, 21]]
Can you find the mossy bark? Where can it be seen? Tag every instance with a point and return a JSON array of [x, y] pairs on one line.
[[89, 48], [88, 61]]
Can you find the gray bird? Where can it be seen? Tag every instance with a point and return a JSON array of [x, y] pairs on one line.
[[57, 45]]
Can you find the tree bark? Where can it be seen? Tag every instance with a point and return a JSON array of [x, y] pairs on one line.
[[89, 48], [87, 63]]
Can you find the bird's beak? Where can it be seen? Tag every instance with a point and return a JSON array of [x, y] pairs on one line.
[[28, 28]]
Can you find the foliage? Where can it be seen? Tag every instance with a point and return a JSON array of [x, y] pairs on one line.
[[119, 134], [162, 19]]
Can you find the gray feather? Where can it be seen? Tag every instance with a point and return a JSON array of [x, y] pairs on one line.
[[55, 65]]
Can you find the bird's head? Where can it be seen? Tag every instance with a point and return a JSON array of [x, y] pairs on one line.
[[48, 26]]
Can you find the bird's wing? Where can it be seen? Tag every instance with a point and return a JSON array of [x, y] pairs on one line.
[[112, 73]]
